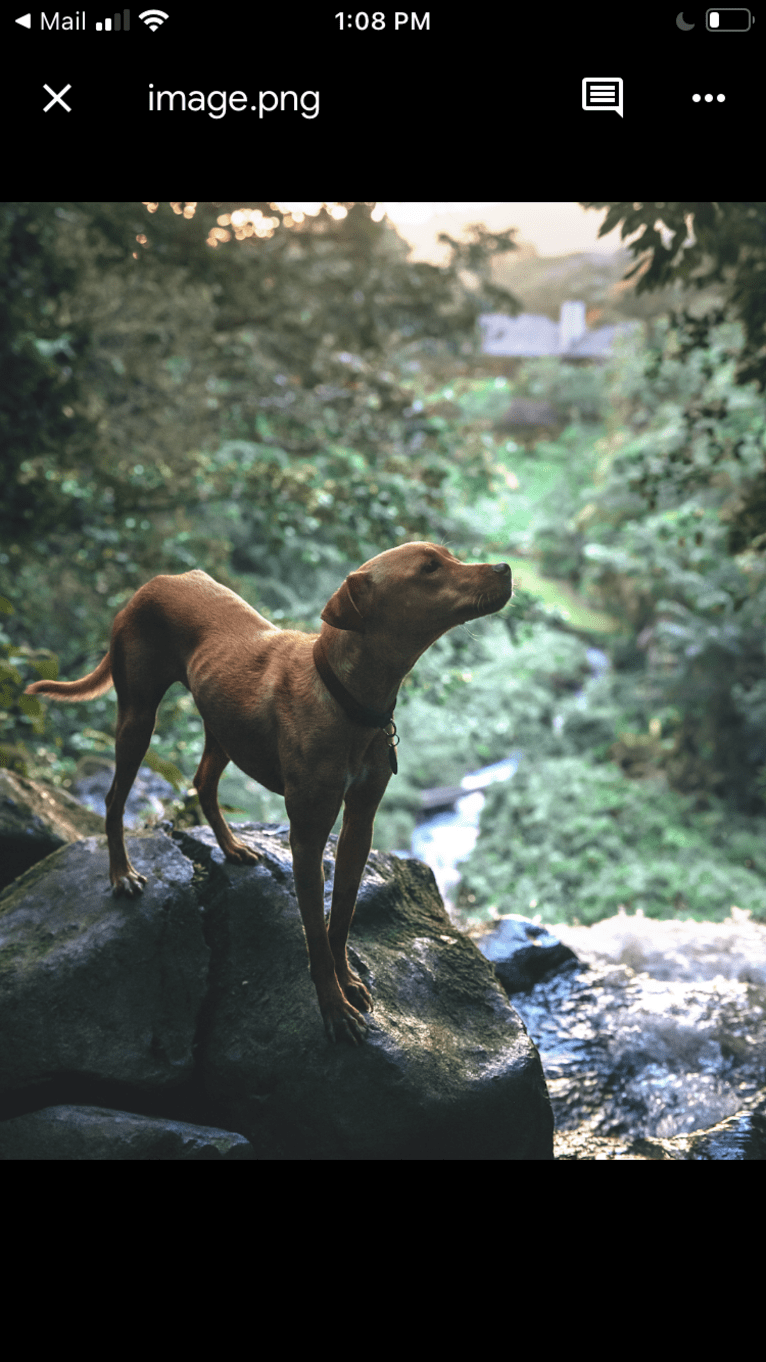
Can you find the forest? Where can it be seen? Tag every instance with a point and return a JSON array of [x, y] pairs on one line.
[[277, 393]]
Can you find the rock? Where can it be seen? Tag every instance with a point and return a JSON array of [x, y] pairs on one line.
[[523, 951], [446, 1070], [72, 1132], [527, 413], [146, 800], [199, 991], [36, 819], [124, 979]]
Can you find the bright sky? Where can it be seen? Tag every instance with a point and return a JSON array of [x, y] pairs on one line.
[[552, 228]]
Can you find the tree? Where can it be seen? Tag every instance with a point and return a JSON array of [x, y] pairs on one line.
[[711, 243], [679, 540], [38, 358]]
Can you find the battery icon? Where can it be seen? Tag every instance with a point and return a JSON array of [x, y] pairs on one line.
[[729, 20]]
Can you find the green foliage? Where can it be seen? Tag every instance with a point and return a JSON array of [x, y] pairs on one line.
[[477, 694], [662, 519], [673, 503], [21, 716], [718, 243], [251, 387], [38, 356], [571, 841], [167, 769]]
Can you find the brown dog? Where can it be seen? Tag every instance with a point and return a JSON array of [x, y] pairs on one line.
[[308, 717]]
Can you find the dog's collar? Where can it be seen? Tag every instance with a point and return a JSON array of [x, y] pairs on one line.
[[371, 718]]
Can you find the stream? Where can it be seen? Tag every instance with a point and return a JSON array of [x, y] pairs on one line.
[[447, 836], [651, 1033]]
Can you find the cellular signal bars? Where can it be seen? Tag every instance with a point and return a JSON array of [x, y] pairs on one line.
[[119, 22]]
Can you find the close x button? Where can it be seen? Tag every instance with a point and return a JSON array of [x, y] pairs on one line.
[[57, 98]]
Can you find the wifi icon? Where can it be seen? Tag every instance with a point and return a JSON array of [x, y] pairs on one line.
[[153, 18]]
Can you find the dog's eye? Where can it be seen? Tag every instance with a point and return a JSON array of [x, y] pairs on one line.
[[429, 567]]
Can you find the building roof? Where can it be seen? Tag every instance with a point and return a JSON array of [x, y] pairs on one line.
[[529, 335]]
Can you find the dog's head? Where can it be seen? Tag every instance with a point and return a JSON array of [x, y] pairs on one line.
[[418, 589]]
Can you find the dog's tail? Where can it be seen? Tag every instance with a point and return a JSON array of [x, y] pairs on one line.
[[87, 688]]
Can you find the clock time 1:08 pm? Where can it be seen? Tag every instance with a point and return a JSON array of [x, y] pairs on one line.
[[378, 20]]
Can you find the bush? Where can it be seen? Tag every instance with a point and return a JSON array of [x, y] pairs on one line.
[[570, 841]]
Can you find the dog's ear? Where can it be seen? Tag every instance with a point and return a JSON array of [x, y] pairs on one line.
[[342, 610]]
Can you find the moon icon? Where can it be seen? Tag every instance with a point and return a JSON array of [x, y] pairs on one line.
[[680, 22]]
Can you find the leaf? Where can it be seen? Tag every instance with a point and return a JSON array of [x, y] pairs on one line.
[[167, 769]]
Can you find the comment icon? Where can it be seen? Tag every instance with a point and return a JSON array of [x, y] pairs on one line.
[[602, 92]]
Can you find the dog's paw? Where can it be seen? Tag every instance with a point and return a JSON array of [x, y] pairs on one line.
[[343, 1022], [129, 882], [243, 856], [356, 993], [240, 854]]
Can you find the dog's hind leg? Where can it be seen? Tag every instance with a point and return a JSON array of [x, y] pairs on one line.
[[141, 676], [209, 772], [135, 725]]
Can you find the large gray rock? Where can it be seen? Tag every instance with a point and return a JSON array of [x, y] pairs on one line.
[[203, 980], [36, 819], [87, 1133], [97, 986], [447, 1070]]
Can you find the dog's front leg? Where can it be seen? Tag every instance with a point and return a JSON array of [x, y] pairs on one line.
[[350, 859], [341, 1020]]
